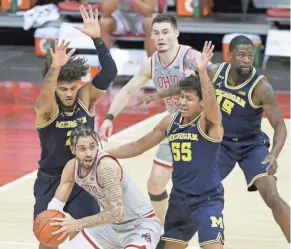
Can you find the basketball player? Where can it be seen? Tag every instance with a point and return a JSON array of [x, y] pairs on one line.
[[121, 17], [195, 133], [244, 95], [58, 106], [127, 219], [166, 67]]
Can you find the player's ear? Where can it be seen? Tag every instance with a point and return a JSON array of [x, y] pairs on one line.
[[202, 103], [177, 33], [72, 149]]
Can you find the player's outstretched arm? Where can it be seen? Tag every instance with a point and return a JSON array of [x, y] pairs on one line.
[[65, 188], [143, 144], [90, 93], [265, 96], [45, 105], [109, 175], [211, 110], [123, 96]]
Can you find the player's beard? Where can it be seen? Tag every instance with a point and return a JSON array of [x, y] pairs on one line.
[[243, 75], [63, 107]]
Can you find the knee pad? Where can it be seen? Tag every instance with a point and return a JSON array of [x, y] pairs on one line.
[[160, 197]]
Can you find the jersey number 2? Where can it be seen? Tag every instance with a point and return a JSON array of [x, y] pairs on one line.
[[68, 141], [182, 151], [227, 105]]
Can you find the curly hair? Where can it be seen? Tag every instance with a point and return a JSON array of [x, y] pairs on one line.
[[82, 130], [74, 70]]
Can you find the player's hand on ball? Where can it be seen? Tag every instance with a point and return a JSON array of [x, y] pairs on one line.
[[272, 168], [146, 99], [91, 23], [206, 55], [59, 53], [68, 225], [106, 130]]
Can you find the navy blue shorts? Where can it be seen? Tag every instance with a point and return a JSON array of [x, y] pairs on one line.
[[80, 203], [188, 214], [249, 154]]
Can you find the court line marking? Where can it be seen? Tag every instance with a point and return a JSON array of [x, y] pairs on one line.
[[127, 130]]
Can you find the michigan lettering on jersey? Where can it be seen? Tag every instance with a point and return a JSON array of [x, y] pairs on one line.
[[216, 222], [183, 136], [231, 96], [166, 81], [70, 124]]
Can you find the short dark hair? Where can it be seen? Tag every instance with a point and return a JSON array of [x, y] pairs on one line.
[[82, 130], [192, 83], [74, 70], [166, 18], [239, 40]]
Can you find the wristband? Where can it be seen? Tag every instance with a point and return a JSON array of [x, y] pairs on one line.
[[55, 204], [109, 116]]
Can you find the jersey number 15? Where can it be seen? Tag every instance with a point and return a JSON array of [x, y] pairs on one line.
[[182, 151]]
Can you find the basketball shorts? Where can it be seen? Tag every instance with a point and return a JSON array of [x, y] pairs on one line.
[[80, 203], [188, 214], [163, 155], [140, 233], [249, 153]]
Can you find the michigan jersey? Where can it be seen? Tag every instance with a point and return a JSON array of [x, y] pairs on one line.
[[54, 138], [136, 206], [195, 157], [166, 76], [241, 117]]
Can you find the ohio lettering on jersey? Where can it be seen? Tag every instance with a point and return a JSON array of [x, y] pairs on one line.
[[166, 76], [166, 81]]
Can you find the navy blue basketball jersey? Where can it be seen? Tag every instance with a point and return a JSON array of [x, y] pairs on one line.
[[54, 138], [195, 157], [240, 116]]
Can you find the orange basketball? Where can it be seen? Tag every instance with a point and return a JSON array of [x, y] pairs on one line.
[[43, 231]]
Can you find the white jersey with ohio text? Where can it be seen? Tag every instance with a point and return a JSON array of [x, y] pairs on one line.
[[166, 76], [135, 204]]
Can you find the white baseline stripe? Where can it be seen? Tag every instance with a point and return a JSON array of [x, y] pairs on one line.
[[117, 135]]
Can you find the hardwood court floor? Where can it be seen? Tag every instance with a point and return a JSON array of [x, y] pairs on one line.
[[249, 223]]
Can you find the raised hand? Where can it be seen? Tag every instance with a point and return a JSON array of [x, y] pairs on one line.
[[59, 53], [91, 23], [206, 55]]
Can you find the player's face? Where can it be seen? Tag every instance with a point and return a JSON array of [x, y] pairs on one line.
[[191, 105], [242, 59], [164, 36], [67, 93], [85, 151]]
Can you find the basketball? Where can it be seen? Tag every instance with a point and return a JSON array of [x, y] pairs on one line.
[[43, 231]]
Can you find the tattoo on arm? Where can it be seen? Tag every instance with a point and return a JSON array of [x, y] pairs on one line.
[[207, 88], [189, 60], [109, 179], [50, 81]]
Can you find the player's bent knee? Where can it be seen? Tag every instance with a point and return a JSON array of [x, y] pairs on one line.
[[160, 197]]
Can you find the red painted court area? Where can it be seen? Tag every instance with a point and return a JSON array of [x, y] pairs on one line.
[[19, 145]]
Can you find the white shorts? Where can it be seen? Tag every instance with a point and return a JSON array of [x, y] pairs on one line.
[[128, 23], [163, 155], [140, 233]]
